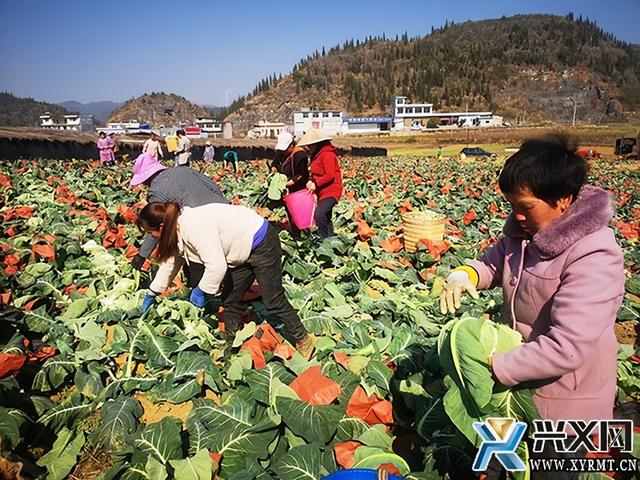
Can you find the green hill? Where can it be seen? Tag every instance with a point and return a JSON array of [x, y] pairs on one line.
[[526, 65], [25, 112]]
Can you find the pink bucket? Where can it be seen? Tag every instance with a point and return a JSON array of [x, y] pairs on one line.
[[302, 207]]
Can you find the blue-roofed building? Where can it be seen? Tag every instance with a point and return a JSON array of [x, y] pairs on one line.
[[355, 125]]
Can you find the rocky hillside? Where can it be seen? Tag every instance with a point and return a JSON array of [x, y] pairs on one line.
[[25, 112], [524, 66], [159, 109]]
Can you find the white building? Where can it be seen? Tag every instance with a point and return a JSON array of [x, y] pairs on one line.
[[74, 122], [401, 109], [264, 129], [417, 116], [131, 126], [329, 121], [366, 125], [209, 126]]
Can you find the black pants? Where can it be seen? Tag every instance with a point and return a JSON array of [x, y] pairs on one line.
[[194, 272], [265, 265], [323, 214]]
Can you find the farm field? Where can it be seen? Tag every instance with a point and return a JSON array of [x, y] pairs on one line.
[[89, 388], [599, 137]]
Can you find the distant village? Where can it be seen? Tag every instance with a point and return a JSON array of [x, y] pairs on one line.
[[403, 117]]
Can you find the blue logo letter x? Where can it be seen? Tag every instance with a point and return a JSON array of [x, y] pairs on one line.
[[504, 450]]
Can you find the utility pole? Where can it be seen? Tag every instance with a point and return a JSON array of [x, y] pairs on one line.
[[466, 121], [575, 106]]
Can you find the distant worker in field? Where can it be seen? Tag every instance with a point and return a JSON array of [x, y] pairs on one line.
[[183, 154], [184, 186], [439, 153], [562, 276], [292, 161], [230, 156], [153, 146], [209, 153], [113, 144], [104, 147], [326, 178], [236, 247]]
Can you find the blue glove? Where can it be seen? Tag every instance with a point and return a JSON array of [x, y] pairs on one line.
[[197, 297], [147, 302]]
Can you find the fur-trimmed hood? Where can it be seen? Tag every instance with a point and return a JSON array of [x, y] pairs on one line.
[[591, 211]]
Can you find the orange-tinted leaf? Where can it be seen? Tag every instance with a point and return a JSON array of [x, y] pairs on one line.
[[11, 270], [392, 244], [127, 213], [255, 349], [405, 262], [24, 212], [131, 251], [405, 206], [628, 230], [45, 251], [5, 298], [263, 212], [177, 285], [365, 232], [284, 351], [269, 338], [446, 188], [216, 457], [115, 237], [68, 289], [10, 364], [43, 354], [341, 359], [372, 410], [469, 217], [436, 249], [5, 181], [389, 265], [314, 388], [484, 243], [345, 451], [390, 468], [29, 305]]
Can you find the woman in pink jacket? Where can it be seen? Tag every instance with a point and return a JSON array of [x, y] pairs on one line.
[[562, 275], [106, 151]]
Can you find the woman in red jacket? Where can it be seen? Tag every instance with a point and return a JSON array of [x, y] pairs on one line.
[[326, 177]]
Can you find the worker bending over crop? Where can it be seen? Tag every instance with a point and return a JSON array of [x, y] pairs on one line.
[[230, 156], [234, 244], [184, 186], [562, 277]]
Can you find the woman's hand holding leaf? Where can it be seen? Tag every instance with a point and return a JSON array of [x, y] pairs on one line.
[[458, 282]]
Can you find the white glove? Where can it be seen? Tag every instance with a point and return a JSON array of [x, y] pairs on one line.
[[458, 281]]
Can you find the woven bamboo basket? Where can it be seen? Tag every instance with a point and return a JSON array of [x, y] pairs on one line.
[[418, 225]]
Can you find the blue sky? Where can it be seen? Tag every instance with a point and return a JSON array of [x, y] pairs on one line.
[[211, 50]]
